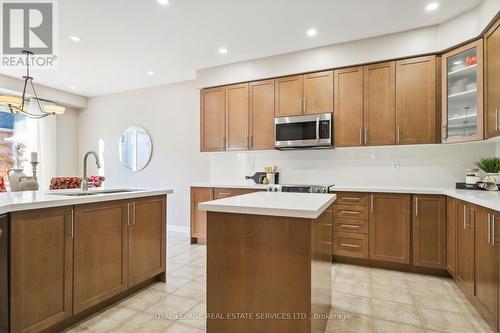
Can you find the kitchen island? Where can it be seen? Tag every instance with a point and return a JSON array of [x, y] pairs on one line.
[[269, 262], [67, 254]]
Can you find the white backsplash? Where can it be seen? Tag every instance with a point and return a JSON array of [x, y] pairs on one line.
[[420, 166]]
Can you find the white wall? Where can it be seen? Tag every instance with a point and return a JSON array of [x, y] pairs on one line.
[[421, 166], [170, 114], [67, 143]]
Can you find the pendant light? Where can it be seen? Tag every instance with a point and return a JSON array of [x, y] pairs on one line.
[[18, 105]]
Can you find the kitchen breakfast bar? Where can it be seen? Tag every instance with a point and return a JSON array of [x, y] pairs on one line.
[[269, 262]]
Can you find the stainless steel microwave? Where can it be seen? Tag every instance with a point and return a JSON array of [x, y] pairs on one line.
[[302, 132]]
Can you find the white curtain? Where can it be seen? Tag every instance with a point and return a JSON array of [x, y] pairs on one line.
[[39, 135]]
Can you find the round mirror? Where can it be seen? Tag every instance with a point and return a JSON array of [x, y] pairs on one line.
[[135, 148]]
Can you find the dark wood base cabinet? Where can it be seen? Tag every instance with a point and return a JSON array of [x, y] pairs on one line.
[[67, 261]]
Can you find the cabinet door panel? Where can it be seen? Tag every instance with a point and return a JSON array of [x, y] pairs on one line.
[[213, 119], [318, 92], [492, 80], [41, 268], [380, 104], [262, 115], [237, 117], [464, 274], [348, 107], [429, 231], [147, 239], [451, 236], [288, 97], [485, 267], [390, 227], [199, 217], [100, 255], [416, 116]]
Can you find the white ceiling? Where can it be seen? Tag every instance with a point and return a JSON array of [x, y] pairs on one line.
[[123, 39]]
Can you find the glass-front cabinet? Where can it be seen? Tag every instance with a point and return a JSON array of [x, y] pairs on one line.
[[462, 94]]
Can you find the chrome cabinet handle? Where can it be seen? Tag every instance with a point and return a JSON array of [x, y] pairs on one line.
[[497, 110], [416, 206], [371, 203], [128, 213], [465, 218], [350, 245], [72, 223], [489, 228], [493, 240], [133, 212], [444, 132], [224, 194], [304, 108], [350, 199], [349, 226], [352, 212], [366, 136], [397, 134]]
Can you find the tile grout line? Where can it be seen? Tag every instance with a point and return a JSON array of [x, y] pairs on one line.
[[417, 308]]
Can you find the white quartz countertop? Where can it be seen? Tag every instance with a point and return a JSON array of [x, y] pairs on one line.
[[300, 205], [485, 199], [26, 200]]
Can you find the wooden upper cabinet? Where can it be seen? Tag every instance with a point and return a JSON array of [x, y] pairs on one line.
[[100, 252], [462, 93], [380, 104], [451, 236], [288, 98], [41, 268], [416, 114], [464, 273], [318, 92], [147, 238], [429, 231], [237, 134], [390, 227], [348, 85], [213, 119], [485, 267], [492, 80], [261, 115]]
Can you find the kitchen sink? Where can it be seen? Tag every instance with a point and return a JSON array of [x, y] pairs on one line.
[[78, 193]]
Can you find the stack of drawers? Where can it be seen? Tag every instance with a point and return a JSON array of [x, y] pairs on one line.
[[350, 225]]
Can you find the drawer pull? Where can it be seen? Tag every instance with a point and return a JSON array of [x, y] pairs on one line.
[[350, 199], [225, 194], [350, 245], [351, 212], [349, 226]]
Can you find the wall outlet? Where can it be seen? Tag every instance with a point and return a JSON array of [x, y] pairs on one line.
[[395, 166]]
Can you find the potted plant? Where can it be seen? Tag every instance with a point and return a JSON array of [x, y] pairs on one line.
[[491, 166]]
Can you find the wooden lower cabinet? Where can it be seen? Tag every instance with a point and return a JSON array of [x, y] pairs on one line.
[[147, 238], [464, 273], [390, 227], [41, 268], [429, 231], [100, 252], [485, 293], [199, 217]]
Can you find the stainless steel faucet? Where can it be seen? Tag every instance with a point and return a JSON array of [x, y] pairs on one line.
[[85, 184]]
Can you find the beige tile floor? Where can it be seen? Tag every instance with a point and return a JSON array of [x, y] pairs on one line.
[[364, 300]]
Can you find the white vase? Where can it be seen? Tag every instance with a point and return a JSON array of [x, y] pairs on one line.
[[14, 178], [490, 182]]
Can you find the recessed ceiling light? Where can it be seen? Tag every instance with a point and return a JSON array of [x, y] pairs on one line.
[[431, 6], [311, 32], [150, 73], [72, 88], [74, 38], [163, 2], [223, 50]]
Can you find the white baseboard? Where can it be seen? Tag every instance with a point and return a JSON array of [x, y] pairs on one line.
[[177, 228]]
